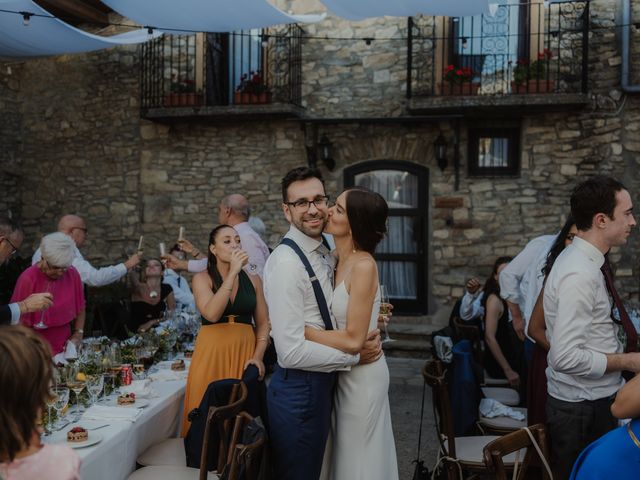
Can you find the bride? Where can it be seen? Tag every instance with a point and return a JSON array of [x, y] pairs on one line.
[[361, 444]]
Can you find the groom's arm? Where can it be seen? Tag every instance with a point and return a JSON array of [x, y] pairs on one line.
[[284, 288]]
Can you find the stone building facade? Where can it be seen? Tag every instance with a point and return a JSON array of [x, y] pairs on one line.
[[72, 134]]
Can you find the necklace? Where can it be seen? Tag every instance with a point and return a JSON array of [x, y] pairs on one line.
[[153, 294]]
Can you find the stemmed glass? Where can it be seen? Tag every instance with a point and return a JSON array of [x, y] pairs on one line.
[[48, 425], [385, 310], [77, 384], [95, 384], [61, 395], [41, 325]]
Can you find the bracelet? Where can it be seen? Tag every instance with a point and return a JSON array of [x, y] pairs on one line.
[[80, 331], [227, 288], [195, 253], [264, 338], [22, 306]]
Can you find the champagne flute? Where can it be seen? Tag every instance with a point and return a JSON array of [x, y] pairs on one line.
[[385, 310], [41, 325], [48, 425], [61, 400]]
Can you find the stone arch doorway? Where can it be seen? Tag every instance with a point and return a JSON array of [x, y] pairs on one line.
[[402, 255]]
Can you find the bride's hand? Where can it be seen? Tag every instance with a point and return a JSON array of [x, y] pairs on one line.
[[258, 364]]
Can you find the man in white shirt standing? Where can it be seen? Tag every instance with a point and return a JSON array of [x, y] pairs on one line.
[[300, 393], [585, 357], [76, 228]]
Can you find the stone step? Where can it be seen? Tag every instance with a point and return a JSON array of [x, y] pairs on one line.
[[407, 348], [409, 331]]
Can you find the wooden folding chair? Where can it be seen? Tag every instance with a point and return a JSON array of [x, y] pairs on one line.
[[534, 441], [247, 457], [171, 451], [459, 454]]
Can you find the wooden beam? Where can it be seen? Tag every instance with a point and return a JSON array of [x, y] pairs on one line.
[[76, 9]]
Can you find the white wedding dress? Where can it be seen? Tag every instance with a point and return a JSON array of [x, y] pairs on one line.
[[360, 444]]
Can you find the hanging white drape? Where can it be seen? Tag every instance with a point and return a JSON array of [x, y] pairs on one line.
[[361, 9], [50, 36], [206, 15]]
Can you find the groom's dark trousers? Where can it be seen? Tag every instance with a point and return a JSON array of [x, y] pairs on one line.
[[299, 404]]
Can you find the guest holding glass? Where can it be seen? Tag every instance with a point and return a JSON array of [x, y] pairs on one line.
[[53, 274], [228, 299], [150, 297], [25, 372]]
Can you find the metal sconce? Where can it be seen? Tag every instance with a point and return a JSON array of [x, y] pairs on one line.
[[440, 148], [326, 156]]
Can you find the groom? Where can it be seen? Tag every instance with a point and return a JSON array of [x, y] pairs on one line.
[[300, 394]]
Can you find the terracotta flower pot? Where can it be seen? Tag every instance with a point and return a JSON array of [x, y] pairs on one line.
[[183, 100], [533, 86], [240, 98], [466, 88]]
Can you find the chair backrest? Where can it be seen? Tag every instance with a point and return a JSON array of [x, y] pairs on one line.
[[472, 333], [247, 449], [434, 374], [512, 442], [220, 418]]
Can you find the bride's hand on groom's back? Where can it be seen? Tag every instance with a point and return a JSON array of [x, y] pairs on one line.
[[372, 349]]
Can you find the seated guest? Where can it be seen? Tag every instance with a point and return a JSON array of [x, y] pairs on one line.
[[11, 237], [76, 228], [25, 372], [228, 299], [54, 274], [150, 297], [615, 455], [181, 290], [499, 360]]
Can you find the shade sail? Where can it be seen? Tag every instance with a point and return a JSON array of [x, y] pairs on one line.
[[50, 36], [206, 15], [361, 9]]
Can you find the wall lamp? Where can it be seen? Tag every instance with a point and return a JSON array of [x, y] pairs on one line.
[[440, 149], [321, 149]]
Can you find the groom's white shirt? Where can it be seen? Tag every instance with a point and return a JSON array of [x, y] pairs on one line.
[[292, 305]]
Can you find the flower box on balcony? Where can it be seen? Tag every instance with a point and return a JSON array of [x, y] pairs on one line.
[[241, 98], [466, 88], [533, 86], [191, 99]]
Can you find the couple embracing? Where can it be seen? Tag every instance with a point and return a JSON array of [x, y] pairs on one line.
[[328, 397]]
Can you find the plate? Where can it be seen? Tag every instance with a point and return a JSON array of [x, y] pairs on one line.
[[139, 403], [92, 440]]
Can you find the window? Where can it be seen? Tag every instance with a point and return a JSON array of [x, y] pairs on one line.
[[494, 151]]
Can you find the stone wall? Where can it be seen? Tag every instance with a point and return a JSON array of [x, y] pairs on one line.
[[10, 141], [82, 147]]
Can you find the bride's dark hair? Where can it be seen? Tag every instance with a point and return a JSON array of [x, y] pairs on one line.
[[367, 212]]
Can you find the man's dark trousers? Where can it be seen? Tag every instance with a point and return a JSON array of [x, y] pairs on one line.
[[299, 404]]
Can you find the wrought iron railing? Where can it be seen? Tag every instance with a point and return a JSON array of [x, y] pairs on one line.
[[521, 48], [209, 69]]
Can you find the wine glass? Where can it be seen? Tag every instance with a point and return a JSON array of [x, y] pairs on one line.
[[76, 382], [41, 325], [61, 399], [95, 384], [385, 310], [48, 425]]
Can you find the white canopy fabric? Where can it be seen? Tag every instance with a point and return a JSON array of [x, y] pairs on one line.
[[50, 36], [361, 9], [206, 15]]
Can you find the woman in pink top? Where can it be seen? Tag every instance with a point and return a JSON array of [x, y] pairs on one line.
[[54, 274], [25, 371]]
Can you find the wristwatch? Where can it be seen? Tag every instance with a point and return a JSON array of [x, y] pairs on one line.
[[80, 331]]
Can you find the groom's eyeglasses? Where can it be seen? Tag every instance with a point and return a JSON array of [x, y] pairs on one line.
[[304, 205]]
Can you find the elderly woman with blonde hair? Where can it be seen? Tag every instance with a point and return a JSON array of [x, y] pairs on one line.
[[54, 274]]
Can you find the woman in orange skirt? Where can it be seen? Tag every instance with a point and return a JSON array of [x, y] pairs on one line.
[[228, 298]]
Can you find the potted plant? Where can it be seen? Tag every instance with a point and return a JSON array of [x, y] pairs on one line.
[[252, 90], [458, 81], [182, 93], [531, 77]]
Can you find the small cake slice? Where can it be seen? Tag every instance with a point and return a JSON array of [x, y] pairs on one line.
[[178, 365], [77, 434], [188, 353], [126, 399]]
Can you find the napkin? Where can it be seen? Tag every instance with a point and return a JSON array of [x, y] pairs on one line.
[[491, 408], [142, 388], [69, 352], [169, 375], [101, 412]]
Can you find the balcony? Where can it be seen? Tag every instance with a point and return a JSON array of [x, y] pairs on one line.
[[243, 74], [526, 57]]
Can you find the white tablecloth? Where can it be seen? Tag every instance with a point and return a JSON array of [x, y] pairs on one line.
[[114, 458]]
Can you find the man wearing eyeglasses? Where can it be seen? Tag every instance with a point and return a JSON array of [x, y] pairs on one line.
[[76, 228], [11, 237]]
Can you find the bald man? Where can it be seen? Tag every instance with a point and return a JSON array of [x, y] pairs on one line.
[[233, 210], [11, 237], [76, 228]]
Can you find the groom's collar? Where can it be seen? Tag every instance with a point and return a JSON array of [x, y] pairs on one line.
[[305, 242]]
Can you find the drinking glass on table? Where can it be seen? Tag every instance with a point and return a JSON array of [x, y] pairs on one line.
[[61, 400], [95, 384], [48, 425], [385, 310], [76, 382]]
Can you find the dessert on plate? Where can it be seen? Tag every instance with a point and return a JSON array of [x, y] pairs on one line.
[[77, 434], [126, 399], [178, 365]]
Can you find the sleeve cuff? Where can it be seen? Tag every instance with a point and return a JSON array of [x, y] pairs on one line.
[[15, 313], [599, 365]]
